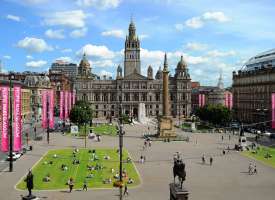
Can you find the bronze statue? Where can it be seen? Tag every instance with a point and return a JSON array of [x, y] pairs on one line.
[[29, 181], [179, 170]]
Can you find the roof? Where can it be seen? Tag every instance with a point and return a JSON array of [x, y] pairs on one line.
[[135, 76], [260, 58]]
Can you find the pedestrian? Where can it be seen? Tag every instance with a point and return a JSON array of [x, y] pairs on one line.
[[71, 184], [203, 159], [223, 152], [85, 185], [255, 169], [250, 169], [150, 143], [144, 159], [211, 161], [229, 137], [125, 190], [145, 143], [222, 137]]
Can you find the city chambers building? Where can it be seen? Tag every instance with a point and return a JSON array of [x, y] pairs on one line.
[[131, 88]]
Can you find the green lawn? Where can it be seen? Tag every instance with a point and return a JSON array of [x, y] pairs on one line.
[[260, 155], [102, 129], [79, 172]]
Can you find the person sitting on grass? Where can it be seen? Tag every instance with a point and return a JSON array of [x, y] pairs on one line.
[[76, 162], [47, 178], [116, 176], [55, 156], [51, 162], [107, 181], [45, 162], [129, 160], [90, 176], [124, 173], [106, 157], [112, 171], [130, 181]]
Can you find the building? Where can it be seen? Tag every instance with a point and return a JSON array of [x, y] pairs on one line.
[[212, 95], [252, 88], [69, 69], [36, 84], [132, 88]]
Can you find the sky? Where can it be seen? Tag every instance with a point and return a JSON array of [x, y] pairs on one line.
[[213, 36]]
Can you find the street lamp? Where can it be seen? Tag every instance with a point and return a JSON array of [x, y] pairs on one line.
[[11, 77]]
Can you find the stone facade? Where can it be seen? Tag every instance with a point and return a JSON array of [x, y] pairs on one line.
[[253, 87], [133, 88]]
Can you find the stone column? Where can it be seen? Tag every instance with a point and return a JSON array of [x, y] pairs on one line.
[[165, 83]]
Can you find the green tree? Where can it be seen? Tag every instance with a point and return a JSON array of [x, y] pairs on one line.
[[215, 114], [81, 113]]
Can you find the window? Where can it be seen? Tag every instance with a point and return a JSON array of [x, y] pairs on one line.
[[96, 106]]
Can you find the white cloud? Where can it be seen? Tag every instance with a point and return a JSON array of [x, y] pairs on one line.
[[55, 34], [118, 33], [7, 57], [199, 21], [36, 64], [13, 17], [34, 1], [195, 46], [78, 33], [216, 16], [194, 22], [179, 27], [105, 73], [100, 4], [99, 51], [34, 45], [216, 53], [64, 58], [29, 57], [103, 63], [72, 19], [67, 50], [143, 36]]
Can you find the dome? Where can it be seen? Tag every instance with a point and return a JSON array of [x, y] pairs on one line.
[[181, 64], [84, 61], [119, 69]]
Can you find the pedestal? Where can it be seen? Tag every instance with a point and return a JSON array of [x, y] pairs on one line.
[[166, 128], [177, 193], [29, 197]]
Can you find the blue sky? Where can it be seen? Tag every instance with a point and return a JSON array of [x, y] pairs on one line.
[[212, 36]]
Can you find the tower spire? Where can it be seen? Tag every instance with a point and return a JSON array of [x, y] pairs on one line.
[[220, 81], [165, 65]]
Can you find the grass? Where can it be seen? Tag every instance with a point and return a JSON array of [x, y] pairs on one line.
[[101, 129], [260, 154], [79, 172]]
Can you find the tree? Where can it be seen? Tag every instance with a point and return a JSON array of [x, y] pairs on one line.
[[81, 113], [215, 114]]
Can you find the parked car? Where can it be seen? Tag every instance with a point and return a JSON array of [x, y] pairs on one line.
[[272, 136], [15, 156], [267, 133]]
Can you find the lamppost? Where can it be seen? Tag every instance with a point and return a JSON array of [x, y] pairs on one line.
[[120, 143], [48, 122], [11, 77], [262, 112]]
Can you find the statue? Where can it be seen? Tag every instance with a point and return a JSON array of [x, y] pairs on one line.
[[179, 170], [29, 182]]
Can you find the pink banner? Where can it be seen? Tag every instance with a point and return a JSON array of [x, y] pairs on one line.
[[5, 119], [199, 100], [273, 110], [69, 101], [17, 127], [231, 101], [203, 100], [61, 105], [73, 98], [44, 109], [66, 105], [51, 108]]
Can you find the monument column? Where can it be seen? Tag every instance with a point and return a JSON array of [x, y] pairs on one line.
[[165, 88], [166, 128]]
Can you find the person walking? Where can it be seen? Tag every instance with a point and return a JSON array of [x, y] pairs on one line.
[[203, 159], [125, 190], [211, 160], [85, 185], [250, 169], [71, 184], [222, 137], [229, 137], [255, 169]]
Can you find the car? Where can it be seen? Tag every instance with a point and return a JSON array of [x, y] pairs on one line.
[[272, 136], [266, 133], [15, 156]]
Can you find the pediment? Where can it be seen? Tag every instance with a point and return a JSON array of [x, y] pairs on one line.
[[135, 76]]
